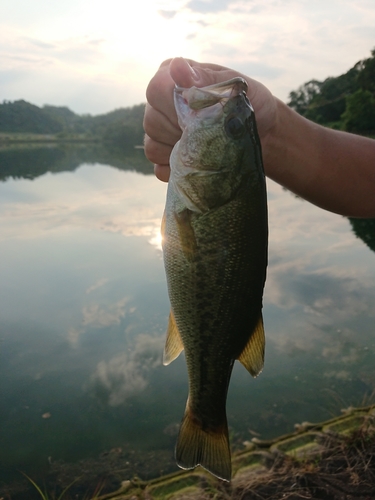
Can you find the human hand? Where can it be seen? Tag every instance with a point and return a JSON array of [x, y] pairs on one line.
[[160, 120]]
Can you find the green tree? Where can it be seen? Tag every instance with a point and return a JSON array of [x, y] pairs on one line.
[[326, 102], [301, 98], [366, 77], [21, 116], [359, 115]]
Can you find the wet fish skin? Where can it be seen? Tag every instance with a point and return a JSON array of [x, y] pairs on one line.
[[215, 254]]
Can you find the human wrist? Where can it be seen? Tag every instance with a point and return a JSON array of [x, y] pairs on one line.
[[273, 141]]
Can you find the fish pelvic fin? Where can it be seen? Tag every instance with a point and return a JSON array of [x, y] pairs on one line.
[[207, 448], [173, 344], [252, 356]]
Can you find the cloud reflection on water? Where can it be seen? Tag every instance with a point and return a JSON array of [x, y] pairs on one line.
[[92, 197], [97, 315], [313, 273], [126, 374]]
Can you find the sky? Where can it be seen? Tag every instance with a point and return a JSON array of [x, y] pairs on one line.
[[95, 56]]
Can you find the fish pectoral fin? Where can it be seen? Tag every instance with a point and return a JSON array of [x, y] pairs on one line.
[[252, 356], [173, 344], [207, 448], [186, 233]]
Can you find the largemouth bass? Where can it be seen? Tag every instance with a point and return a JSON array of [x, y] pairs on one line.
[[214, 234]]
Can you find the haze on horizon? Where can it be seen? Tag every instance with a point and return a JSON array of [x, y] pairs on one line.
[[95, 56]]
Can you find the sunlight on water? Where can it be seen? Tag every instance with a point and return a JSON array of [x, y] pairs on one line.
[[157, 239]]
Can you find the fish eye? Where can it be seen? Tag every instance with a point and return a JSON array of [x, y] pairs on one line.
[[234, 127]]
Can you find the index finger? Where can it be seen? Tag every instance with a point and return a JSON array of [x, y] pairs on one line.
[[159, 93]]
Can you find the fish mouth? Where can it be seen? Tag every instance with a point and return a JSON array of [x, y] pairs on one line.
[[202, 97], [188, 101]]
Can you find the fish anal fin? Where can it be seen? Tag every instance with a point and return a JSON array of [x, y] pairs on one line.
[[208, 448], [173, 344], [252, 355], [186, 233]]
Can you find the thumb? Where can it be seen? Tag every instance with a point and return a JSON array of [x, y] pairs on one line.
[[184, 75], [187, 73]]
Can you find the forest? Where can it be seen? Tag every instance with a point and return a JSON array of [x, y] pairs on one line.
[[345, 102], [122, 126]]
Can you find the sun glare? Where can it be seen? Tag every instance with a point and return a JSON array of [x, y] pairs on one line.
[[156, 240], [150, 34]]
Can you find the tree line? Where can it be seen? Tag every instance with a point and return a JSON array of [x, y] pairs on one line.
[[345, 102], [122, 126]]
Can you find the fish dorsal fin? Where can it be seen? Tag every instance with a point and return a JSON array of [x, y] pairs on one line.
[[173, 344], [252, 356]]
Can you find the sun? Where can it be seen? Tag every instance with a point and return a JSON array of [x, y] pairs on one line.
[[150, 32]]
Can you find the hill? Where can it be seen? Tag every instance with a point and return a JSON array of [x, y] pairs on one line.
[[122, 126], [21, 116], [345, 102]]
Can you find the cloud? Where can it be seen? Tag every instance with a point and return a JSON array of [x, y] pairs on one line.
[[206, 6], [97, 285], [167, 14], [72, 50], [103, 205], [282, 43], [39, 43], [128, 373], [316, 283], [74, 334], [97, 316]]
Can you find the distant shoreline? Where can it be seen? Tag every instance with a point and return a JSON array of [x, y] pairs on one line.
[[15, 138]]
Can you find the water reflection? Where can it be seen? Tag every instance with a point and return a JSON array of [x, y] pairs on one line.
[[31, 162], [126, 374], [83, 313], [364, 229]]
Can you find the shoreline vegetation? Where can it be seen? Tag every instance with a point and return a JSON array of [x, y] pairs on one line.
[[330, 460], [14, 138]]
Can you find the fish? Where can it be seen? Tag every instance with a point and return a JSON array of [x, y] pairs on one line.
[[214, 240]]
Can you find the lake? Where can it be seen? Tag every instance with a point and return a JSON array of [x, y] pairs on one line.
[[84, 309]]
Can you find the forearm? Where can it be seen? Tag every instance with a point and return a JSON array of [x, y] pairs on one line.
[[334, 170]]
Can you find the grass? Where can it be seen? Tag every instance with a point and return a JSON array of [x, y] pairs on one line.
[[64, 495]]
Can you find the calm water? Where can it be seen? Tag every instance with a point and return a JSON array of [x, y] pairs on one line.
[[84, 307]]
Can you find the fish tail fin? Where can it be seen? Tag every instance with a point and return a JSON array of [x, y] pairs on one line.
[[208, 448]]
